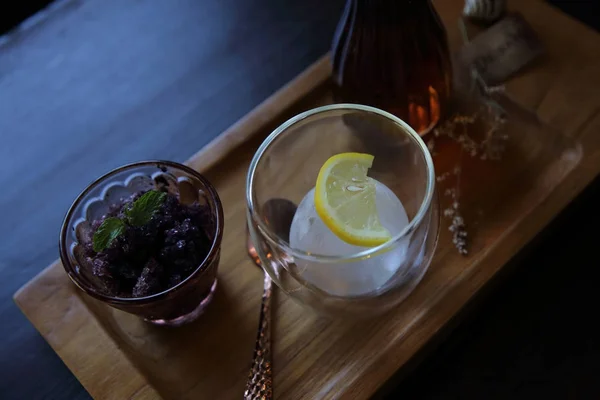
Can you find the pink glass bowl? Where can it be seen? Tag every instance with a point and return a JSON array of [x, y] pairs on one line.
[[179, 304]]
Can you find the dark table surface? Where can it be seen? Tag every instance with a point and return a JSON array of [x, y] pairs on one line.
[[89, 85]]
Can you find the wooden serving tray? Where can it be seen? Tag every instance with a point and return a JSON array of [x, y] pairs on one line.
[[117, 356]]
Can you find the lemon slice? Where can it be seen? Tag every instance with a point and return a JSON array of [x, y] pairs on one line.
[[345, 200]]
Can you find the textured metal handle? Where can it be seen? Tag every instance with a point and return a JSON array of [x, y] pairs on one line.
[[260, 381]]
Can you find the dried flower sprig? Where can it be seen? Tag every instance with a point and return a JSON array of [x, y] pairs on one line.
[[490, 147], [487, 146]]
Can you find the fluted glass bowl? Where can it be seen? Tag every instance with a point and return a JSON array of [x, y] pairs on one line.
[[179, 304]]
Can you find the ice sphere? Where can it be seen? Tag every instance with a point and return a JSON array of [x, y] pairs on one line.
[[310, 234]]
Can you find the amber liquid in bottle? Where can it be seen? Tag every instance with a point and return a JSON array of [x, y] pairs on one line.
[[393, 54]]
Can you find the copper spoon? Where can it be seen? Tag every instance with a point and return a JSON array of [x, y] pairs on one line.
[[279, 214]]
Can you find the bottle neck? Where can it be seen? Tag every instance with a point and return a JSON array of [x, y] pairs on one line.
[[399, 4], [391, 10], [396, 9]]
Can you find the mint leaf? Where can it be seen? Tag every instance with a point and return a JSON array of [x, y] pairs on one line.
[[143, 209], [110, 229]]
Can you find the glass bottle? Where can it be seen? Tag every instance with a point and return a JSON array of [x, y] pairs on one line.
[[393, 54]]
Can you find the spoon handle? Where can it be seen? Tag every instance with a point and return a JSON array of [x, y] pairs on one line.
[[260, 382]]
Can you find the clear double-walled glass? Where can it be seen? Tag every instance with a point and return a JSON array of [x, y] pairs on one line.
[[282, 175]]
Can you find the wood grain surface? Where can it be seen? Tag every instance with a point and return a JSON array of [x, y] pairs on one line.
[[308, 344], [102, 83]]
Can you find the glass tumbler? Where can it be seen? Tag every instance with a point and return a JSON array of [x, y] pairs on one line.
[[348, 280], [179, 304]]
